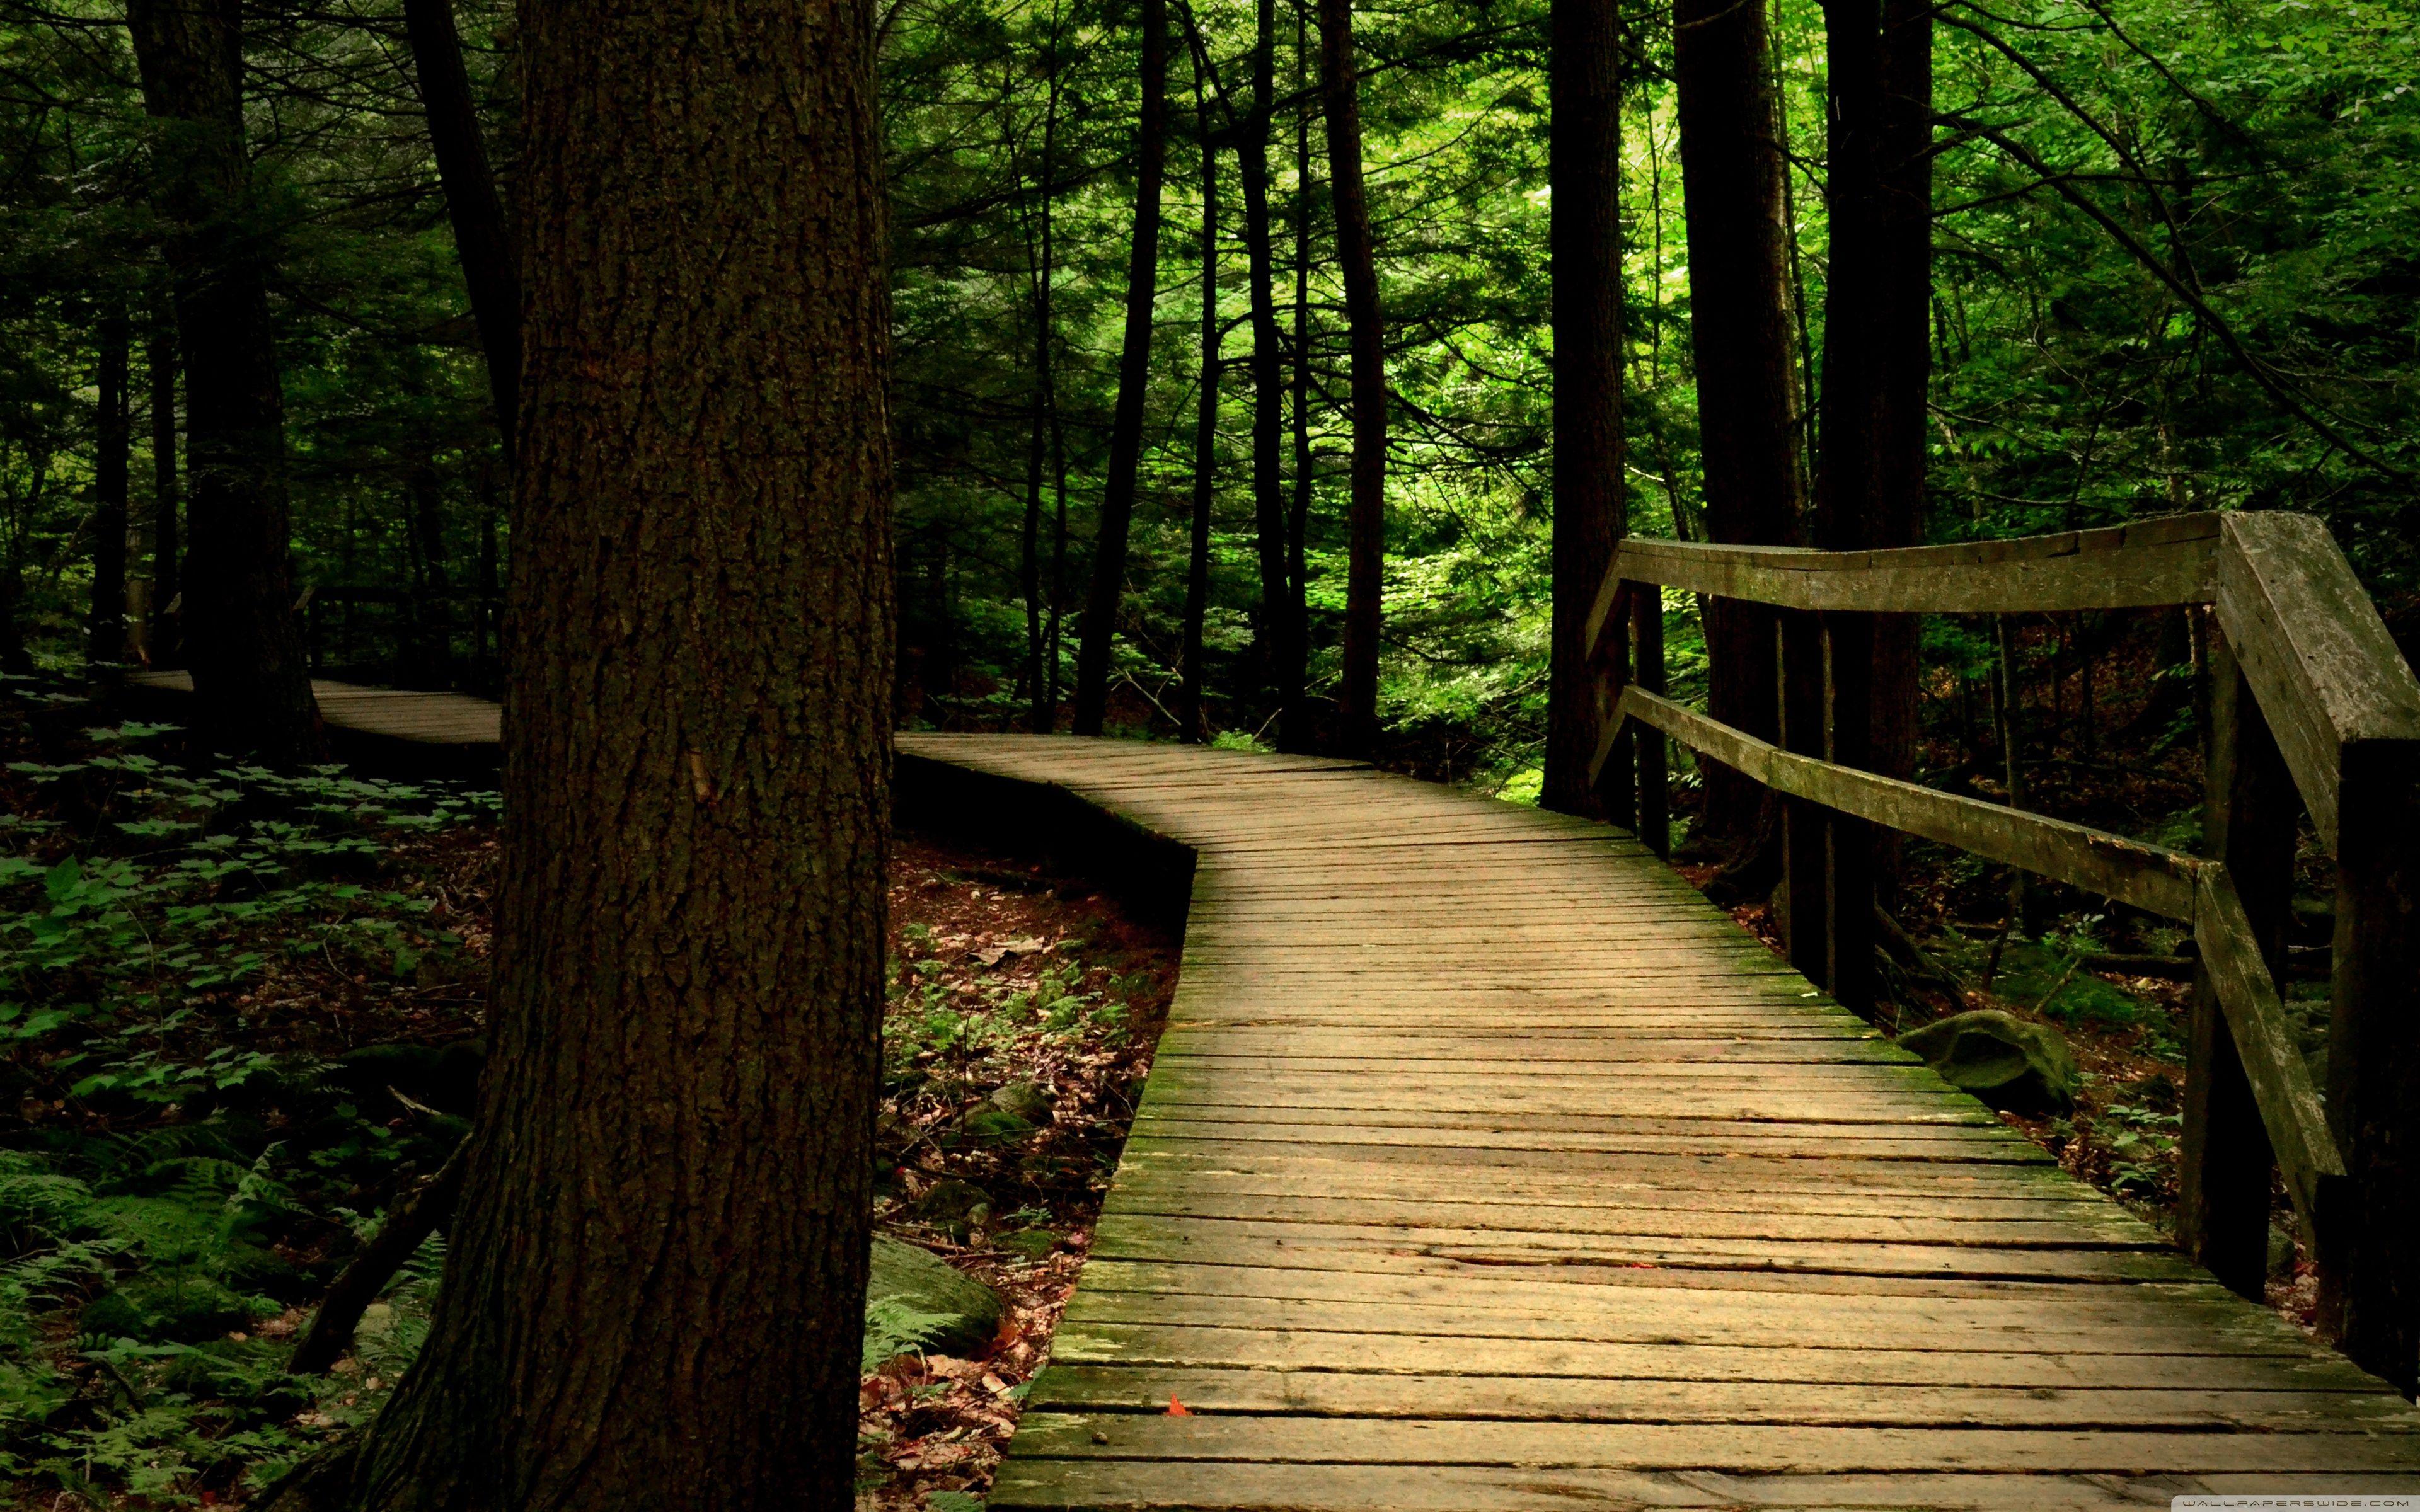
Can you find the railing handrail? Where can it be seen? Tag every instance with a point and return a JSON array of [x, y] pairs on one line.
[[2325, 670], [2324, 679]]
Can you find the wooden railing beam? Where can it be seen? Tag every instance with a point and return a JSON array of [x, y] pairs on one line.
[[2170, 560], [2225, 1163], [2150, 877]]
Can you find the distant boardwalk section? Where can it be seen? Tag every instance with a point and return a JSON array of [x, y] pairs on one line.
[[1485, 1166], [380, 725]]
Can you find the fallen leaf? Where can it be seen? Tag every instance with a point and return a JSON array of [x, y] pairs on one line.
[[1177, 1409]]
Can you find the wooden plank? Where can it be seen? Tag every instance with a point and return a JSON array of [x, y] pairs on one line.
[[1671, 1446], [1143, 1237], [1082, 1388], [1780, 1362], [1091, 1485]]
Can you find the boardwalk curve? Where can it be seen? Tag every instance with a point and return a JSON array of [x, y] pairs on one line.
[[1484, 1165]]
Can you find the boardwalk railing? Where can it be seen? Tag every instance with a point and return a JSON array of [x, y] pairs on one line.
[[2309, 697]]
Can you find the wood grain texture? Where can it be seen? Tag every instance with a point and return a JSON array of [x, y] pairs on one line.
[[1484, 1165], [2165, 561]]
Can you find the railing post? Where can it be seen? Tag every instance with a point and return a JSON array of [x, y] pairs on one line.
[[2224, 1162], [1614, 789], [1849, 858], [1654, 789], [1798, 643], [2369, 1276]]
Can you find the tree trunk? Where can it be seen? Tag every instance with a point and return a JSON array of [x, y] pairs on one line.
[[251, 674], [1280, 656], [657, 1276], [1366, 332], [1306, 482], [1041, 704], [482, 237], [1589, 494], [1732, 177], [114, 439], [1134, 380], [160, 363], [1206, 435], [1903, 208]]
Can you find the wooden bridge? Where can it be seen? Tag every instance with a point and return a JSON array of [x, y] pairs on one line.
[[1484, 1165]]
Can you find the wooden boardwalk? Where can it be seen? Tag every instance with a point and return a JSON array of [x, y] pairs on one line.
[[1484, 1165], [383, 713]]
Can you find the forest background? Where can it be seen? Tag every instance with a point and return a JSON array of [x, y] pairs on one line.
[[2260, 159]]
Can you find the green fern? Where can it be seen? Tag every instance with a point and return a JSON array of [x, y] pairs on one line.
[[893, 1328]]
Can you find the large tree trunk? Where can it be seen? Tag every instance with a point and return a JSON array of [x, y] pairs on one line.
[[1365, 321], [1279, 652], [1134, 380], [1732, 167], [482, 237], [1206, 436], [160, 363], [251, 675], [114, 439], [655, 1286], [1589, 493]]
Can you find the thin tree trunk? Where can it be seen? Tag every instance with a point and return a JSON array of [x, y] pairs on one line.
[[1589, 494], [1053, 663], [114, 439], [1281, 660], [1041, 691], [655, 1286], [1305, 483], [1134, 379], [1205, 432], [1366, 334], [251, 673], [482, 237], [160, 363], [1732, 172]]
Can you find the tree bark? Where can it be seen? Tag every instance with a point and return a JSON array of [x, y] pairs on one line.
[[251, 674], [1366, 335], [656, 1283], [1206, 435], [482, 237], [114, 439], [1903, 208], [1585, 79], [1134, 379], [160, 363], [1280, 656], [1731, 176]]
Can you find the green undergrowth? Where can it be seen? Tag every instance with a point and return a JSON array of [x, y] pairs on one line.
[[235, 1018]]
